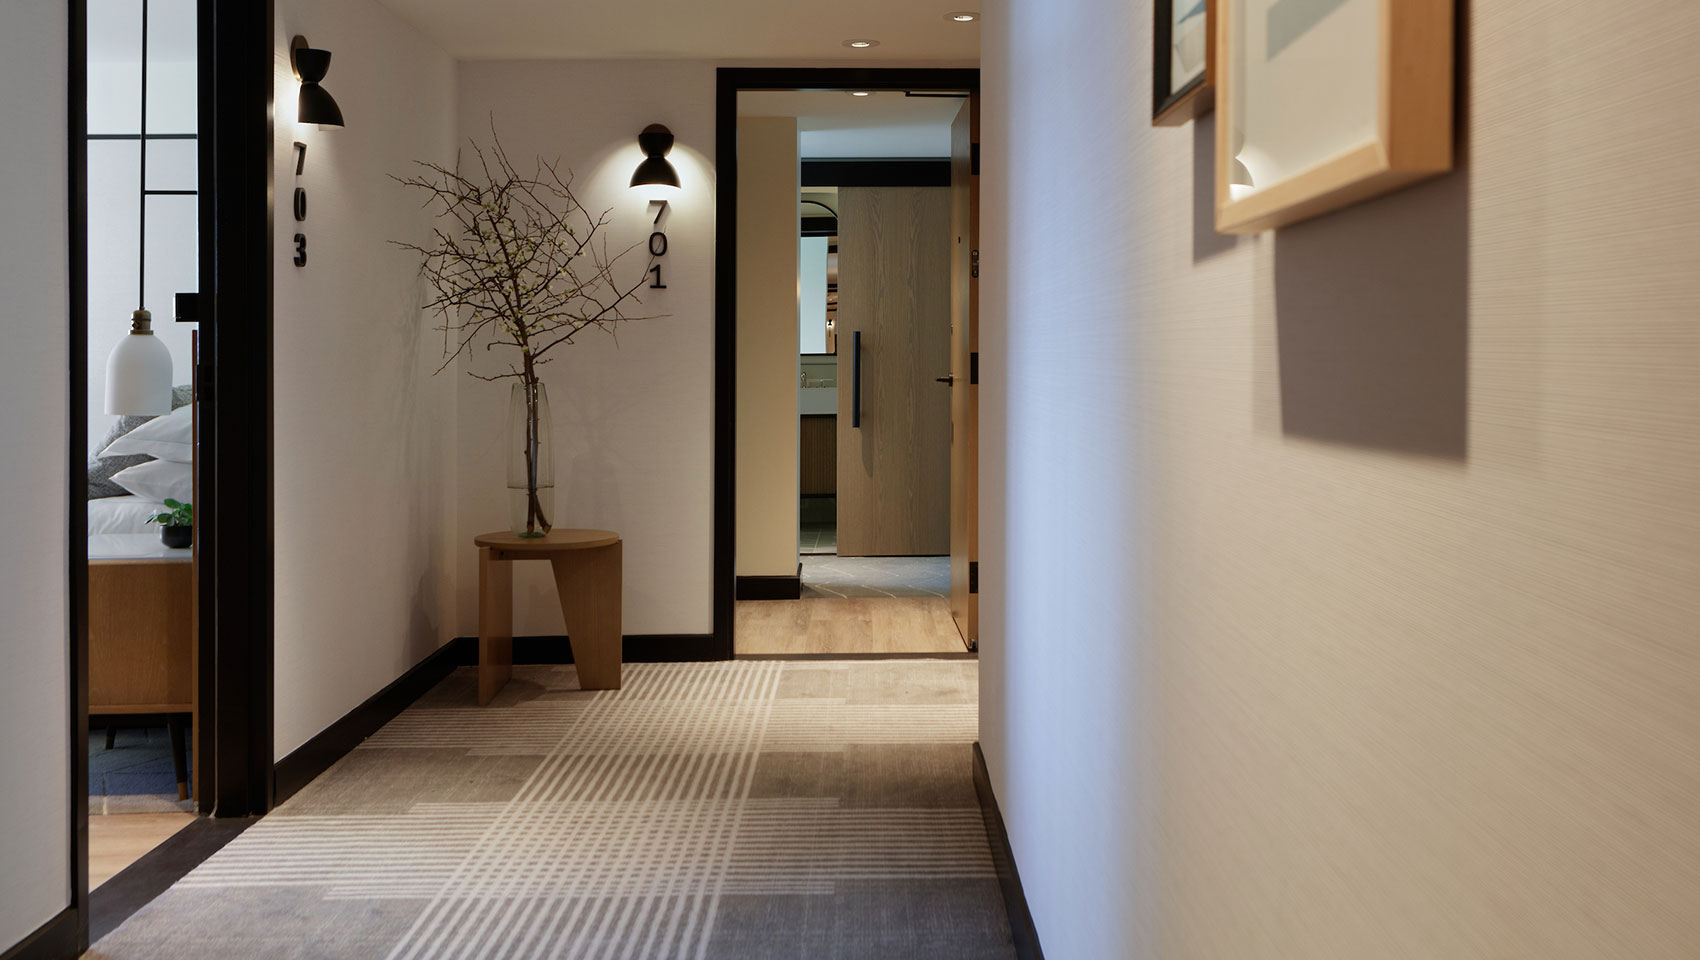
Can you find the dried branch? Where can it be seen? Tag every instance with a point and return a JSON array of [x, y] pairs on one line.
[[517, 261]]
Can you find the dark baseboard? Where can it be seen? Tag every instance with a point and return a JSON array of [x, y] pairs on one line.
[[636, 648], [134, 887], [771, 588], [335, 741], [1014, 897], [54, 940]]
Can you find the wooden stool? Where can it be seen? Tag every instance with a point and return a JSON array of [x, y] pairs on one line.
[[587, 567]]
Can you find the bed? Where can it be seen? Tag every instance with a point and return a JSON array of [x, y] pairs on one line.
[[128, 514]]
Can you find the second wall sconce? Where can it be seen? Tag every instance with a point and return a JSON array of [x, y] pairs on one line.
[[315, 104], [656, 141]]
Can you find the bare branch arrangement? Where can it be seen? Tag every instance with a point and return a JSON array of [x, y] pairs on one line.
[[516, 261]]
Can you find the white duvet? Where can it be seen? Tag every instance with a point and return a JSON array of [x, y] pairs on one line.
[[122, 515]]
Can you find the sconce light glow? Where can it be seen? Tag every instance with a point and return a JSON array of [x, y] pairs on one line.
[[963, 16], [656, 141], [314, 104], [860, 44], [861, 93]]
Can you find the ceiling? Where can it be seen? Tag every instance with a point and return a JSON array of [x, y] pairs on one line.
[[908, 30], [832, 123]]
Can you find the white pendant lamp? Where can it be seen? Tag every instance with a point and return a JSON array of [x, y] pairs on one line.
[[138, 372]]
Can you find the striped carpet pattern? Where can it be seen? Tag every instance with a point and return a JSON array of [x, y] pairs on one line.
[[710, 811]]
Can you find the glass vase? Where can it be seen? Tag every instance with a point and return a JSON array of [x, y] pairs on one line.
[[531, 461]]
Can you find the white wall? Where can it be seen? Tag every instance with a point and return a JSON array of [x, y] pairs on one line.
[[633, 418], [767, 437], [365, 435], [1340, 583], [811, 294], [35, 750]]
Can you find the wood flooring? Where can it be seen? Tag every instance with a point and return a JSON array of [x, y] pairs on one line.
[[119, 839], [848, 625]]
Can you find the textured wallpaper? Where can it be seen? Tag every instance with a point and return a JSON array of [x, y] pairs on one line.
[[1342, 584]]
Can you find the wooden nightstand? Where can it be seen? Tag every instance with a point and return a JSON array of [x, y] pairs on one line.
[[141, 633]]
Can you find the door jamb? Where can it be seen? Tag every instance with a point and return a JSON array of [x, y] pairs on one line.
[[728, 82]]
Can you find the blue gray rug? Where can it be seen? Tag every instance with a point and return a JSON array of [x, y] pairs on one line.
[[136, 775]]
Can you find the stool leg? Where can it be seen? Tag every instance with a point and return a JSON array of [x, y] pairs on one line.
[[178, 760], [588, 582], [495, 624], [111, 734]]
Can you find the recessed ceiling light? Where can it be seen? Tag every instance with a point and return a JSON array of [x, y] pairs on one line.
[[963, 16], [861, 44], [861, 93]]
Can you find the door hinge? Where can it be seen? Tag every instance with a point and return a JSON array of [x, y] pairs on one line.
[[974, 264], [974, 368], [973, 576]]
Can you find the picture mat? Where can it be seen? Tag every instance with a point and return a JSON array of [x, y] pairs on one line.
[[1189, 40], [1307, 78]]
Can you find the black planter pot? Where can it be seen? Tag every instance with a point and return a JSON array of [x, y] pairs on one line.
[[176, 536]]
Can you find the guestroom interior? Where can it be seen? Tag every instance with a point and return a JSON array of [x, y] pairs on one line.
[[143, 224]]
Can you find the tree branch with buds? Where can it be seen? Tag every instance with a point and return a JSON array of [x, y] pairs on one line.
[[517, 262]]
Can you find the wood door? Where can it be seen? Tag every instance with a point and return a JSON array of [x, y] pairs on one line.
[[894, 300], [964, 371]]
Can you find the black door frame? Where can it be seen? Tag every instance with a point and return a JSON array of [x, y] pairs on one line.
[[728, 82], [236, 54], [235, 50]]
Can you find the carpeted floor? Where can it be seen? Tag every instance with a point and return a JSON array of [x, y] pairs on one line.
[[740, 810]]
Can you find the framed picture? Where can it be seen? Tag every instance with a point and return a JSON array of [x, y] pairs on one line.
[[1183, 61], [1323, 103]]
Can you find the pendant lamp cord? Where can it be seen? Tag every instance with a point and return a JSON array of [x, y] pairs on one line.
[[142, 185]]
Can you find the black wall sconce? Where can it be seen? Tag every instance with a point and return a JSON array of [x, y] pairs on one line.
[[656, 141], [315, 104]]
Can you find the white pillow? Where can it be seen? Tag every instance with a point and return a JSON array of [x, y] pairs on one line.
[[159, 480], [170, 437]]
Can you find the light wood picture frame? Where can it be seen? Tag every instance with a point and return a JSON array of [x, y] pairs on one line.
[[1179, 95], [1386, 70]]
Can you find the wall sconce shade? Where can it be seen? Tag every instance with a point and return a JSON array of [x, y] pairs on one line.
[[656, 141], [138, 372], [314, 104]]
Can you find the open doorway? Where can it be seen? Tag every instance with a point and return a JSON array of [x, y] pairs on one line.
[[854, 498], [170, 639], [141, 151]]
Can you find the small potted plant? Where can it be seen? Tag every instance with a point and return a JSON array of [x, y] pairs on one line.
[[177, 527]]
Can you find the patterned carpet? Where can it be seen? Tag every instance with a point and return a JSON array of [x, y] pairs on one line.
[[876, 576], [739, 810]]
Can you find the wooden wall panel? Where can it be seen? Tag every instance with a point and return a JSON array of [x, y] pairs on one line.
[[818, 446]]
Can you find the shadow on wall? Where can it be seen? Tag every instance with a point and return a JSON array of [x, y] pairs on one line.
[[1372, 322], [1206, 242]]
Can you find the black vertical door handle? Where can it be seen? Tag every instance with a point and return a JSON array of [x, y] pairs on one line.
[[856, 379]]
